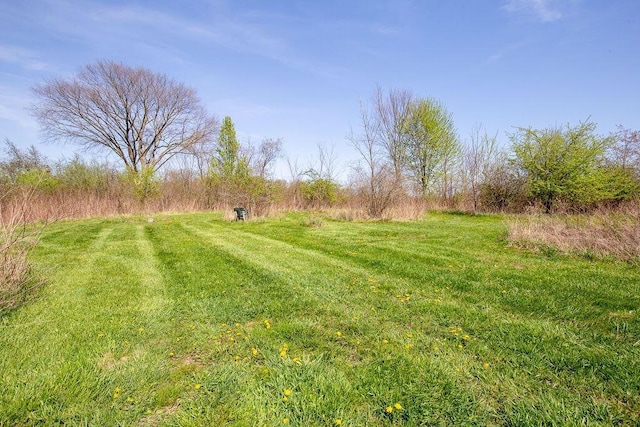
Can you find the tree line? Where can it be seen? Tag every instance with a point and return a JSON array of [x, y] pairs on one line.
[[173, 154]]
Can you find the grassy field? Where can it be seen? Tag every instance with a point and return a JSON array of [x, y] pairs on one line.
[[191, 320]]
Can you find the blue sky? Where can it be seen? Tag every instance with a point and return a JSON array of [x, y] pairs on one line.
[[298, 70]]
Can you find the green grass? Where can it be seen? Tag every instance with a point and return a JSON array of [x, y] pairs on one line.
[[191, 320]]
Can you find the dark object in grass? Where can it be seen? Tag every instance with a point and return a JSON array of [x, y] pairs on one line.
[[241, 213]]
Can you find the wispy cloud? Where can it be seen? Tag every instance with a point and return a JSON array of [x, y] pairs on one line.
[[13, 108], [542, 10], [243, 32], [22, 57], [506, 51]]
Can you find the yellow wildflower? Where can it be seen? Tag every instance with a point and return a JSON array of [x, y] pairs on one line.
[[397, 406], [288, 392], [389, 409], [197, 386], [267, 324], [338, 422], [338, 334], [285, 421], [254, 351]]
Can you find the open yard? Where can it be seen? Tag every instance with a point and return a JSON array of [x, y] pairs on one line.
[[192, 320]]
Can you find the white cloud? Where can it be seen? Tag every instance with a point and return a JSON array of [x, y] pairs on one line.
[[541, 9], [23, 57]]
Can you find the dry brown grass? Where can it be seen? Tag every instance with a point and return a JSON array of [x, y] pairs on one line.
[[598, 235], [17, 237]]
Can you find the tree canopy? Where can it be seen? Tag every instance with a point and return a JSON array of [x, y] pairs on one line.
[[227, 161], [560, 162], [144, 118], [430, 139]]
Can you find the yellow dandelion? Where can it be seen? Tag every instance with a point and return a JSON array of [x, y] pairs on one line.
[[338, 422], [171, 354], [237, 325], [197, 386], [254, 351], [129, 400], [284, 399], [385, 341], [466, 337], [338, 334], [267, 324], [486, 365], [398, 406], [389, 409], [296, 360], [285, 421], [288, 392]]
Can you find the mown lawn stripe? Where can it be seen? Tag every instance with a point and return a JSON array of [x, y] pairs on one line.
[[190, 320]]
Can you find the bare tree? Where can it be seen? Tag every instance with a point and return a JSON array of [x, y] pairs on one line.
[[625, 152], [479, 157], [391, 112], [143, 117], [264, 156], [375, 174], [324, 166]]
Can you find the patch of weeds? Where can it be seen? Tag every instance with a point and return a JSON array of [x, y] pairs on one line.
[[312, 222]]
